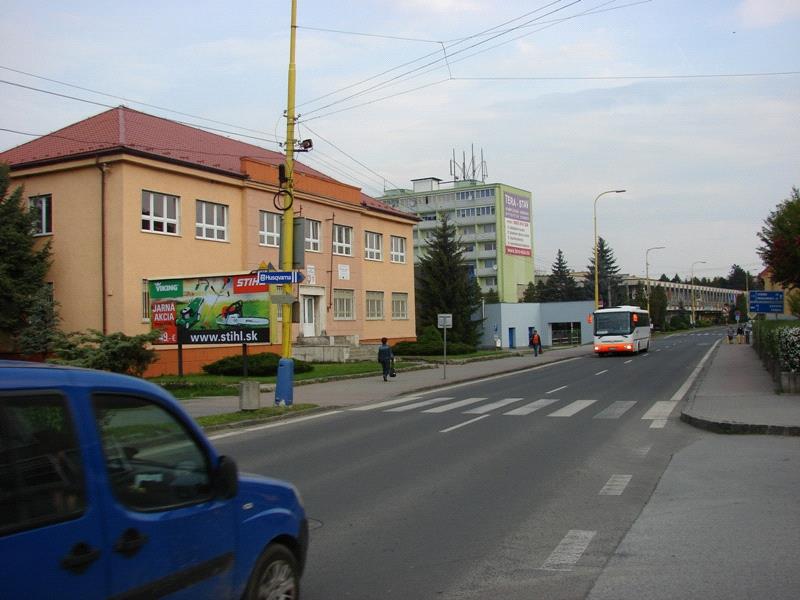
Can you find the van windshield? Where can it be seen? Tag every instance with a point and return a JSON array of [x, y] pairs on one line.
[[617, 323]]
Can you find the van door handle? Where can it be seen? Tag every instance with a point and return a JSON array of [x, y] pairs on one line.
[[80, 556], [130, 542]]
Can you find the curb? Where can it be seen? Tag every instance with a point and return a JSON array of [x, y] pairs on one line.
[[252, 422], [732, 428]]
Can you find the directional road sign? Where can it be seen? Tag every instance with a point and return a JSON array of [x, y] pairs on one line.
[[445, 320], [766, 302], [272, 277]]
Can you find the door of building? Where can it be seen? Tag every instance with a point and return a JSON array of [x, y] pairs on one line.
[[309, 320]]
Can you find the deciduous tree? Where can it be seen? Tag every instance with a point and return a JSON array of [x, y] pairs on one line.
[[781, 241]]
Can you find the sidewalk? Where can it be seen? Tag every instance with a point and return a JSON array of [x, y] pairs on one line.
[[737, 395], [349, 392]]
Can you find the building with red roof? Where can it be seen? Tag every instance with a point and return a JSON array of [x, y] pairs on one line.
[[127, 199]]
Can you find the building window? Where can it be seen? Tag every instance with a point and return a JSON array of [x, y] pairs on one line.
[[489, 263], [160, 213], [343, 240], [42, 206], [488, 228], [489, 281], [145, 300], [490, 246], [399, 306], [398, 249], [467, 230], [375, 305], [344, 305], [373, 245], [211, 221], [269, 232], [475, 211], [429, 217], [312, 235]]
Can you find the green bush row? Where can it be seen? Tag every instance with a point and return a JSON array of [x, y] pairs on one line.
[[430, 348], [264, 364]]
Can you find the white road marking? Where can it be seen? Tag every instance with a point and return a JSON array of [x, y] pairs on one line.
[[416, 405], [627, 362], [642, 451], [572, 408], [569, 551], [661, 410], [463, 424], [532, 407], [378, 405], [454, 405], [490, 407], [219, 436], [616, 410], [601, 372], [615, 485], [556, 390]]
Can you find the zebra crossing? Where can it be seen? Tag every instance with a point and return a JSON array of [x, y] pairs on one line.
[[658, 412]]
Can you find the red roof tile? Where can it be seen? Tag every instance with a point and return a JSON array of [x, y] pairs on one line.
[[123, 128]]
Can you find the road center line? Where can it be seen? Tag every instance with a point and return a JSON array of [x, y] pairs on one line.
[[555, 390], [569, 551], [627, 362], [601, 372], [465, 423]]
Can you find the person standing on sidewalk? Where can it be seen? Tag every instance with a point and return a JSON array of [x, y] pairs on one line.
[[536, 342], [385, 357], [730, 334]]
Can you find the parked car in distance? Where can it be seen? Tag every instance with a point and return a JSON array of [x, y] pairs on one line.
[[109, 489]]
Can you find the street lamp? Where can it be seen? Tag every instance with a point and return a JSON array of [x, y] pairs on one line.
[[596, 266], [691, 282], [647, 271]]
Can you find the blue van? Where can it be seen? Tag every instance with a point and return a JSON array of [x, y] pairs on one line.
[[109, 490]]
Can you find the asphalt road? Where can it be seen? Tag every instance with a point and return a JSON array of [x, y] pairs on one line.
[[515, 487]]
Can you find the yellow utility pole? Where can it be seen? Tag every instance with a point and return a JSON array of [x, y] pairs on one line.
[[287, 259], [284, 385]]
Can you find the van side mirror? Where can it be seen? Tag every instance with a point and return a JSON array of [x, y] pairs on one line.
[[226, 478]]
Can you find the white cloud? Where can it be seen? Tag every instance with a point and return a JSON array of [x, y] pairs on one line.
[[764, 13]]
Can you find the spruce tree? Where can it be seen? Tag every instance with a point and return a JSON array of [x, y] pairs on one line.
[[443, 285], [23, 262], [610, 283], [561, 286]]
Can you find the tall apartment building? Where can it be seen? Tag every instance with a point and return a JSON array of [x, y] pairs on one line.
[[494, 222]]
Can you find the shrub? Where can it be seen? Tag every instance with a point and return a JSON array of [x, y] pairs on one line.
[[430, 335], [789, 348], [115, 352], [264, 364], [422, 348]]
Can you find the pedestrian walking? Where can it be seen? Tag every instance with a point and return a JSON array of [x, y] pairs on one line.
[[739, 334], [730, 334], [386, 358], [536, 342]]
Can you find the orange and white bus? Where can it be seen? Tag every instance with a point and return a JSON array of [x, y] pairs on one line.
[[621, 329]]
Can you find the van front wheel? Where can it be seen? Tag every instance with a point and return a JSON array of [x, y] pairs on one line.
[[276, 575]]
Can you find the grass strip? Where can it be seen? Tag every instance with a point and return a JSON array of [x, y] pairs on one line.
[[261, 414]]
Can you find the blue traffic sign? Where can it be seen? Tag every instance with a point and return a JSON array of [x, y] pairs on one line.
[[766, 302], [272, 277]]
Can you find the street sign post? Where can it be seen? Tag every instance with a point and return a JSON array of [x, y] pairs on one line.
[[445, 321], [766, 302], [273, 277]]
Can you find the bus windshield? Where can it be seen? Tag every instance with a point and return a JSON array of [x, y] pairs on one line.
[[616, 323]]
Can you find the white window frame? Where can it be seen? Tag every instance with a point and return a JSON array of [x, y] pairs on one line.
[[398, 250], [312, 230], [43, 205], [269, 229], [399, 306], [206, 228], [344, 305], [151, 221], [342, 240], [374, 306], [373, 245]]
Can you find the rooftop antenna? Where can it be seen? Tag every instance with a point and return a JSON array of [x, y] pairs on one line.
[[484, 169], [472, 164]]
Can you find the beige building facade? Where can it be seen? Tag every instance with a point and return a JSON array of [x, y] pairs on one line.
[[126, 198]]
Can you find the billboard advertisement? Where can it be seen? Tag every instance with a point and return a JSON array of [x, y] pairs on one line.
[[517, 217], [231, 309]]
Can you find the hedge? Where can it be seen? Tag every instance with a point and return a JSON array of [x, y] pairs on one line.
[[264, 364]]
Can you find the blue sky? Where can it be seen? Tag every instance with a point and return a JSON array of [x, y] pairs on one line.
[[704, 159]]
